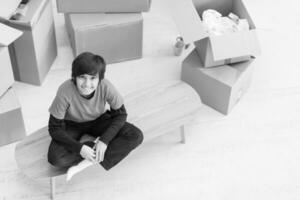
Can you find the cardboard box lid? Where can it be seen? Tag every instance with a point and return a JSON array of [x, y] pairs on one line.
[[34, 11], [8, 7], [234, 45], [8, 35], [9, 101], [102, 19], [187, 20]]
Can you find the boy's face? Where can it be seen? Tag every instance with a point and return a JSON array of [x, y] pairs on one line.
[[87, 84]]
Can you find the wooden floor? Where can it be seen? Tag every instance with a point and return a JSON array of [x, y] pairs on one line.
[[251, 154]]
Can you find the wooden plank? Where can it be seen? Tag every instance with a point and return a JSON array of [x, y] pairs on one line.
[[155, 110]]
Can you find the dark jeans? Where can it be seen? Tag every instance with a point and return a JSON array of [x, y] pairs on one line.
[[127, 139]]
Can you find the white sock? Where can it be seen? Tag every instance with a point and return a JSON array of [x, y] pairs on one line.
[[78, 168]]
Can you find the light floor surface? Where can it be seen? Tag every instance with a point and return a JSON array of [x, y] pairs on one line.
[[251, 154]]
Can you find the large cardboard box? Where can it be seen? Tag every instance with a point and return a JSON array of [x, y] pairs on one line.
[[7, 36], [215, 50], [219, 87], [116, 37], [103, 6], [34, 52], [11, 119]]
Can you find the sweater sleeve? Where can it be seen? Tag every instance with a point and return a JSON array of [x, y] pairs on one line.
[[119, 117], [58, 133]]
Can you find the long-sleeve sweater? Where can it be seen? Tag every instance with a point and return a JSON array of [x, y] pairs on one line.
[[58, 132]]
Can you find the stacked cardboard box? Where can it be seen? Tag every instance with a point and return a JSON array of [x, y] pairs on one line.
[[34, 52], [105, 27], [7, 36], [219, 67], [116, 37], [220, 87], [11, 120]]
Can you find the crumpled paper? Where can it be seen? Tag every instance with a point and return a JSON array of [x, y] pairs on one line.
[[215, 24]]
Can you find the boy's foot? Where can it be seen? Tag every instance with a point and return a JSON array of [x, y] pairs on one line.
[[78, 168]]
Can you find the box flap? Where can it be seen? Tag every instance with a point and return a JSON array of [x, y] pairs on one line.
[[7, 8], [227, 74], [9, 101], [234, 45], [187, 20], [8, 35]]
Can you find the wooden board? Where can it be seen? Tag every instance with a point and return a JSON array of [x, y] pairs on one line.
[[155, 110]]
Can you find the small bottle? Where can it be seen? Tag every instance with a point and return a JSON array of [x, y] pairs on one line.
[[179, 45]]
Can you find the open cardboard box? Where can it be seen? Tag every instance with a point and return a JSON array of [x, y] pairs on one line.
[[7, 36], [103, 6], [218, 87], [34, 52], [215, 50], [11, 119], [116, 37]]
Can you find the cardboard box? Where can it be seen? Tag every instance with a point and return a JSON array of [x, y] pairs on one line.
[[215, 50], [33, 54], [116, 37], [11, 119], [7, 36], [219, 87], [103, 6]]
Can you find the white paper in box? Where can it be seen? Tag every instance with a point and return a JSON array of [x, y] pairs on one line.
[[239, 46], [7, 36]]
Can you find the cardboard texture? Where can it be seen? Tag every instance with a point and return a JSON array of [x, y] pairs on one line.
[[34, 52], [103, 6], [7, 36], [11, 120], [215, 50], [116, 37], [219, 87]]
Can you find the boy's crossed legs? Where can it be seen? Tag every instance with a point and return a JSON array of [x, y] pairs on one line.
[[127, 139]]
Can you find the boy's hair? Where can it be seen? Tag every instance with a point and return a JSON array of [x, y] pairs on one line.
[[88, 63]]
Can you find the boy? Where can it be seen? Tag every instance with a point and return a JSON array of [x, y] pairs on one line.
[[79, 108]]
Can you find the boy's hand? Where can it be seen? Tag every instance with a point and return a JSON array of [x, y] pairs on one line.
[[100, 151], [87, 153]]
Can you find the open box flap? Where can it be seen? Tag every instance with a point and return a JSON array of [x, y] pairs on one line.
[[187, 20], [8, 35], [7, 8], [9, 101], [244, 43]]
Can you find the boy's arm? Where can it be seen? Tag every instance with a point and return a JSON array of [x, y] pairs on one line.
[[57, 132], [119, 117]]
